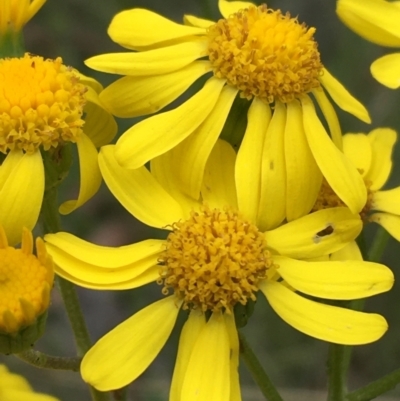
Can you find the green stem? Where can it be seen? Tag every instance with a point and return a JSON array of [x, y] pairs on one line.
[[44, 361], [378, 245], [338, 364], [121, 394], [259, 375], [376, 388]]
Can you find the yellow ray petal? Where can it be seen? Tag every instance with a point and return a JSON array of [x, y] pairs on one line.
[[211, 349], [374, 20], [227, 8], [104, 256], [390, 222], [158, 134], [248, 161], [151, 62], [125, 352], [342, 97], [330, 116], [235, 394], [382, 142], [350, 252], [189, 335], [100, 125], [387, 201], [90, 176], [326, 322], [338, 171], [136, 96], [351, 279], [272, 205], [317, 234], [139, 192], [189, 158], [197, 22], [357, 148], [303, 176], [21, 193], [386, 70], [219, 185], [138, 28]]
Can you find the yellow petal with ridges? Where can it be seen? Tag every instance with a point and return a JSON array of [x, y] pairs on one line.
[[219, 189], [138, 28], [189, 335], [303, 177], [386, 70], [137, 96], [374, 20], [342, 97], [158, 134], [235, 394], [350, 279], [349, 252], [357, 148], [21, 193], [317, 234], [248, 161], [325, 322], [272, 204], [227, 8], [338, 171], [151, 62], [197, 22], [189, 158], [330, 116], [139, 192], [382, 143], [390, 222], [90, 176], [387, 201], [211, 349], [125, 352]]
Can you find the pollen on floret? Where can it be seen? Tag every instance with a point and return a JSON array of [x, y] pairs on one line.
[[214, 260], [41, 104], [265, 54], [25, 283]]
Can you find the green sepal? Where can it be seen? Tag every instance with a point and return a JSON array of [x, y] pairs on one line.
[[24, 338], [12, 44], [242, 313]]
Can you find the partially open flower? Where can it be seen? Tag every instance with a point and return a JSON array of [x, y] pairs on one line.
[[26, 280]]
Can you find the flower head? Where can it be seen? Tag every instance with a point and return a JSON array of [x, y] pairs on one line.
[[42, 109], [216, 257], [14, 14], [26, 282], [257, 53], [378, 22], [15, 387], [372, 155]]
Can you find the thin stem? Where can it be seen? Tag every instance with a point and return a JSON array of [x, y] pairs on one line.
[[121, 394], [44, 361], [376, 388], [378, 245], [259, 375], [338, 364]]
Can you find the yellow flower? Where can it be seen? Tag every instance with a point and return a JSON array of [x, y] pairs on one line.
[[42, 107], [14, 14], [16, 388], [26, 282], [257, 53], [372, 155], [378, 22], [215, 258]]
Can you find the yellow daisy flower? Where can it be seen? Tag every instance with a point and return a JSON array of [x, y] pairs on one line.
[[378, 22], [214, 258], [25, 292], [14, 14], [257, 53], [45, 105], [16, 388], [372, 155]]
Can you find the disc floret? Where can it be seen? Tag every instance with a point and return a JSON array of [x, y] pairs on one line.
[[265, 54], [214, 260]]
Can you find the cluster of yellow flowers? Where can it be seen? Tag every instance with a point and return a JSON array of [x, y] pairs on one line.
[[276, 212]]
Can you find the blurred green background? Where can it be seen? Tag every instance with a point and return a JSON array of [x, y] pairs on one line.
[[76, 30]]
